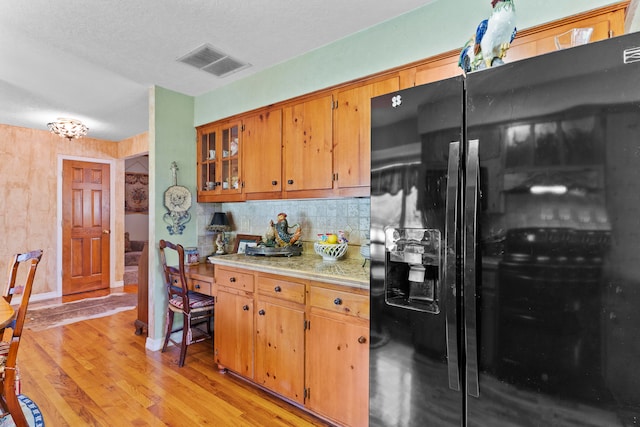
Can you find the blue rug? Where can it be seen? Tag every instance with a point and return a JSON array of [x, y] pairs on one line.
[[31, 412]]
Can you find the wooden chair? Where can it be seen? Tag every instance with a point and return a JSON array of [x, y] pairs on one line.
[[195, 308], [9, 400]]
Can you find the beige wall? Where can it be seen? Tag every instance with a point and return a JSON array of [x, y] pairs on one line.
[[29, 173]]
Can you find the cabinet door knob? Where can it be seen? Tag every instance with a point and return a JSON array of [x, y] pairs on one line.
[[337, 301], [245, 307], [197, 286], [232, 279], [290, 181], [362, 340], [277, 289], [261, 312], [274, 182]]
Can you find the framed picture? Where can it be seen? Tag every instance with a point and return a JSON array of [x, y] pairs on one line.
[[244, 241], [136, 192]]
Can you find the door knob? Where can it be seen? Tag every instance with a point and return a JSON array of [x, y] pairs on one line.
[[106, 231]]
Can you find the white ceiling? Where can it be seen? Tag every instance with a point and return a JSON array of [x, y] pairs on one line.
[[96, 60]]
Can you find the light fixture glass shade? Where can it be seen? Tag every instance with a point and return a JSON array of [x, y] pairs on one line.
[[219, 222], [68, 128]]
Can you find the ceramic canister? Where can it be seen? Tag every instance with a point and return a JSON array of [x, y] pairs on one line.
[[191, 255]]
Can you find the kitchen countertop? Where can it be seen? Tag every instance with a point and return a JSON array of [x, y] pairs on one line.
[[347, 271]]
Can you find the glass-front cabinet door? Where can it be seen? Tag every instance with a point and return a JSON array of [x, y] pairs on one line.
[[219, 163]]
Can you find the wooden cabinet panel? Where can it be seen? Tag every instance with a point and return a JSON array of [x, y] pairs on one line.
[[219, 162], [200, 286], [262, 151], [352, 133], [285, 290], [544, 41], [234, 332], [339, 301], [234, 279], [606, 22], [279, 349], [337, 375], [438, 70], [308, 147]]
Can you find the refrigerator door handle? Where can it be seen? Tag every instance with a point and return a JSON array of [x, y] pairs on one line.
[[449, 265], [469, 261]]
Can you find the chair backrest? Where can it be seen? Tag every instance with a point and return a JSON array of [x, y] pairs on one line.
[[14, 265], [12, 333], [33, 259], [174, 278]]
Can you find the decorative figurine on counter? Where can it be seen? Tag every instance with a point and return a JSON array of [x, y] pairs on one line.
[[279, 234], [492, 39], [221, 241]]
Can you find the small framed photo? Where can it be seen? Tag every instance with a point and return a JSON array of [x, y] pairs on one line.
[[244, 241]]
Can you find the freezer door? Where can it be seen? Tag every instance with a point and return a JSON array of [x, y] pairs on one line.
[[554, 310], [414, 374]]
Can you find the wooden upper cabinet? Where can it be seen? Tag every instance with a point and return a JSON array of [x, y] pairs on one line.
[[219, 162], [543, 40], [352, 134], [308, 147], [262, 151], [319, 145], [606, 22]]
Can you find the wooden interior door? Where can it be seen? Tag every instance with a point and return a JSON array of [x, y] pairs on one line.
[[85, 226]]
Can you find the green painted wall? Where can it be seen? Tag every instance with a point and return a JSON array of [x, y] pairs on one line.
[[172, 139], [425, 32]]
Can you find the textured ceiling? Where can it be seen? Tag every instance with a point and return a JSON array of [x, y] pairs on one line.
[[95, 61]]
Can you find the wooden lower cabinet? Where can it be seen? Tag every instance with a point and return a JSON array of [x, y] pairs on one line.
[[337, 354], [306, 341], [337, 374], [233, 337], [279, 360]]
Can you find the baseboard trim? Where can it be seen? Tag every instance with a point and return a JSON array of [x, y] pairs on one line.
[[154, 344]]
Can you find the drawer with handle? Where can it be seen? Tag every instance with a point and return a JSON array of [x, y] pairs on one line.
[[281, 289], [234, 279], [200, 286], [340, 301]]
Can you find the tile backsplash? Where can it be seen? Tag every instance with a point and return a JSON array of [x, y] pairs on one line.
[[314, 216]]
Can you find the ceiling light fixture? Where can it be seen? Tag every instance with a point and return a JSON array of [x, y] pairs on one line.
[[68, 128]]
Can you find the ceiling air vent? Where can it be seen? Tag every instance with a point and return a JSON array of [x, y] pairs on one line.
[[209, 59]]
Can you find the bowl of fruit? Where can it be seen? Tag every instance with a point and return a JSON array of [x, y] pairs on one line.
[[330, 247]]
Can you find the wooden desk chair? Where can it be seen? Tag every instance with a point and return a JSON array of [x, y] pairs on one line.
[[195, 308], [10, 401]]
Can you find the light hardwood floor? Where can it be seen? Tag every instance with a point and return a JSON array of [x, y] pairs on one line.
[[98, 373]]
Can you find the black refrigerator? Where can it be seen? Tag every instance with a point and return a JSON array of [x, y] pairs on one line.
[[505, 245]]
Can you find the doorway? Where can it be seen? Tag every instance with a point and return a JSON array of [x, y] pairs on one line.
[[86, 211], [136, 214]]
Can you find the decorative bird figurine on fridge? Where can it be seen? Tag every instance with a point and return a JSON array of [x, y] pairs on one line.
[[493, 37]]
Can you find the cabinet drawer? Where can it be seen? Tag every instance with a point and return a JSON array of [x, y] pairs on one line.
[[200, 286], [234, 279], [340, 301], [281, 289]]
